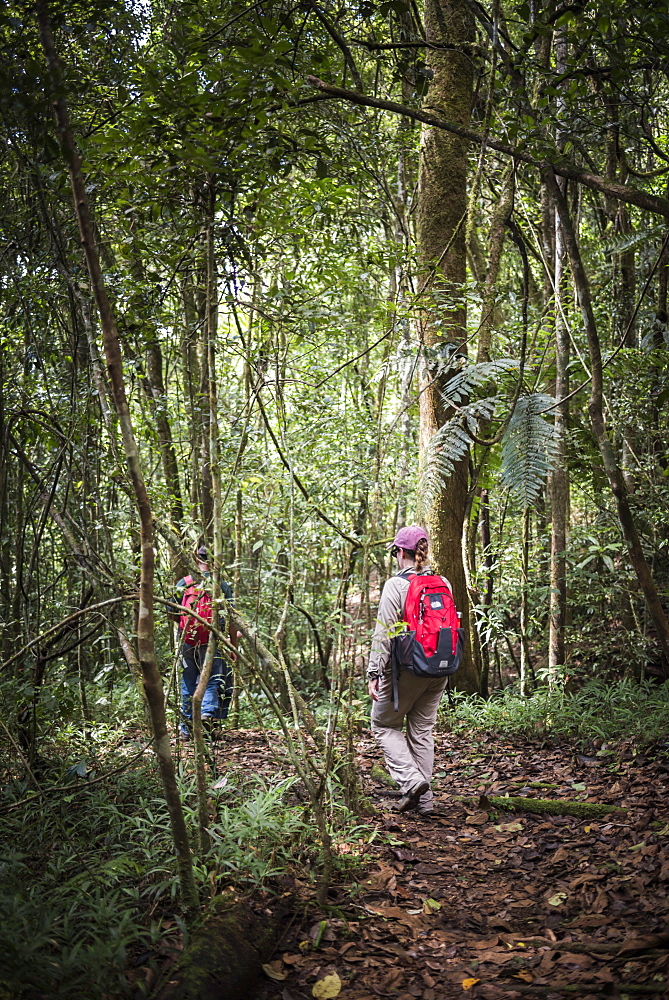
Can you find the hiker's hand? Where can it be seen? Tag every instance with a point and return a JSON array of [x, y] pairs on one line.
[[373, 688], [232, 655]]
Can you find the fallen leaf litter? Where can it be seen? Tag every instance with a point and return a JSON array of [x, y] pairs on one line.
[[506, 906]]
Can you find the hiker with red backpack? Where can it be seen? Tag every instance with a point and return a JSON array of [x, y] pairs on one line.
[[417, 645], [194, 639]]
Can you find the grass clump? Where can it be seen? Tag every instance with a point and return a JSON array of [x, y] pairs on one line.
[[622, 710]]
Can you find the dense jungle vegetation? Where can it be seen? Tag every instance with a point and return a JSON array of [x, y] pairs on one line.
[[280, 277]]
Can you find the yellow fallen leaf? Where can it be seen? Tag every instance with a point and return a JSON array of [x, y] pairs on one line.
[[515, 826], [326, 988], [558, 899], [524, 975], [468, 983], [587, 829], [271, 973]]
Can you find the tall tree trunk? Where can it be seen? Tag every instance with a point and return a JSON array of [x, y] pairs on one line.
[[624, 267], [627, 327], [214, 536], [7, 642], [202, 410], [496, 236], [442, 206], [156, 385], [400, 277], [153, 684], [558, 481], [190, 368], [489, 584], [525, 662], [596, 411]]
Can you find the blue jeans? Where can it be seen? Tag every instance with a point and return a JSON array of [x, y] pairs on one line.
[[218, 693]]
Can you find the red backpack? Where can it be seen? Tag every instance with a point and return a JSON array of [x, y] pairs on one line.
[[433, 643], [196, 598]]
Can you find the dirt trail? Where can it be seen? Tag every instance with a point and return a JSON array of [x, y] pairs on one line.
[[477, 903]]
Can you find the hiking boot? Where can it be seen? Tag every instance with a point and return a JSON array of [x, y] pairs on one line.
[[410, 799]]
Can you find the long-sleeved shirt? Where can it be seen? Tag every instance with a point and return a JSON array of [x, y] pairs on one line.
[[390, 612]]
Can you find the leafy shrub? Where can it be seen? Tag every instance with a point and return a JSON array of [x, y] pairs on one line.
[[83, 879], [257, 837]]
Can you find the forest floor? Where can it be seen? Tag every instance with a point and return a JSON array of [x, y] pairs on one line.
[[476, 902]]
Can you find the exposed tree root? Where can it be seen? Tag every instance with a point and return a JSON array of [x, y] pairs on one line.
[[653, 946]]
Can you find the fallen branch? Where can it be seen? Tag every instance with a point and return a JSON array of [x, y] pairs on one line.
[[580, 989], [67, 621], [73, 790], [655, 944], [553, 807]]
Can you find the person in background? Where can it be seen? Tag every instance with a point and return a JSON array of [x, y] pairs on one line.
[[194, 638], [409, 756]]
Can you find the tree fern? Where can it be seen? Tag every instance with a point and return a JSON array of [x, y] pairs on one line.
[[450, 444], [621, 242], [529, 449], [470, 377]]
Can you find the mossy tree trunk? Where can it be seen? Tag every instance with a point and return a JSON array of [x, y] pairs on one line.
[[442, 207], [558, 481]]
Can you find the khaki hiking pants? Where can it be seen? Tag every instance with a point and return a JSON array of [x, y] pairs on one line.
[[409, 757]]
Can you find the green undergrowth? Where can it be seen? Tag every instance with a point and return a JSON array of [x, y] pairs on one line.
[[622, 710], [88, 887]]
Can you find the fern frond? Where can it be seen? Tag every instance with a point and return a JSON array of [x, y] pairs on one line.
[[620, 243], [450, 444], [529, 449], [471, 376]]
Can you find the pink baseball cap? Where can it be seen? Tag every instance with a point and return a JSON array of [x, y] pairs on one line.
[[409, 537]]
